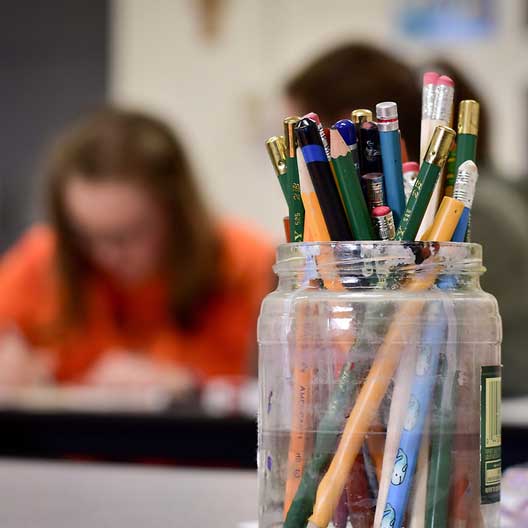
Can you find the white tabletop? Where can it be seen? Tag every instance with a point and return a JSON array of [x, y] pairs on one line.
[[82, 495]]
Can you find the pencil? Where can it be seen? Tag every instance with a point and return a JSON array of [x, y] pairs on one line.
[[442, 116], [433, 163], [322, 179], [296, 208], [301, 401], [464, 190], [314, 225], [430, 80], [276, 149], [366, 406], [389, 133], [348, 181], [398, 408], [433, 339]]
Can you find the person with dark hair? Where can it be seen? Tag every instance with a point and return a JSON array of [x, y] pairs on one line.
[[358, 76], [133, 282]]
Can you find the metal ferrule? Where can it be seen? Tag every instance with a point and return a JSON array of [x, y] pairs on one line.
[[466, 183], [374, 185], [384, 226], [388, 126], [443, 103], [428, 97], [468, 117], [361, 115], [276, 148], [439, 146], [289, 135]]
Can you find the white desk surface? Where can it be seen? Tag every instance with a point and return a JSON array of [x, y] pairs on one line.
[[85, 495]]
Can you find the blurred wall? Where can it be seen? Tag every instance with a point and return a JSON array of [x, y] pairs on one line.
[[54, 67], [223, 94]]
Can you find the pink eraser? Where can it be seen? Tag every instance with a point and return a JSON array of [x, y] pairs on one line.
[[430, 77], [410, 166], [314, 117], [444, 79], [381, 210]]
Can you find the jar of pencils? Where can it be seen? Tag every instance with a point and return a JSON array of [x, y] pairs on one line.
[[380, 379]]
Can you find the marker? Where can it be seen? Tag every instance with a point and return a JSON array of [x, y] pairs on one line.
[[348, 182], [410, 172], [389, 134], [348, 132], [464, 190], [296, 208], [443, 116], [428, 96], [467, 132], [322, 178], [384, 222], [373, 185], [369, 148], [315, 117], [276, 148], [434, 161]]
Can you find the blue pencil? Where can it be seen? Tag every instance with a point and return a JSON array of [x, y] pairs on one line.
[[389, 133], [347, 129], [433, 340]]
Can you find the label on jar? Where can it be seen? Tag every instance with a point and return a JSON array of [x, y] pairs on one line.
[[490, 434]]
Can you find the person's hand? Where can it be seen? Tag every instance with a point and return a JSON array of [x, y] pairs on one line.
[[121, 369], [19, 364]]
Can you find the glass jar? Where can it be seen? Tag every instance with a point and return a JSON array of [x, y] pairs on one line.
[[379, 367]]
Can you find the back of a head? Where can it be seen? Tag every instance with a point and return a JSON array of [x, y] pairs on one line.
[[359, 76]]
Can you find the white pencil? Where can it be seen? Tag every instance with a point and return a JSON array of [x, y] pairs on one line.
[[442, 115]]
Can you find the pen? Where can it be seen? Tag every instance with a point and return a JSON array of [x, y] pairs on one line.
[[353, 200], [322, 177], [296, 206], [434, 161], [389, 134], [464, 190], [360, 116], [369, 148]]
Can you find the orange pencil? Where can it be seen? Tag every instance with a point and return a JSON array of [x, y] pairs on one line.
[[301, 403]]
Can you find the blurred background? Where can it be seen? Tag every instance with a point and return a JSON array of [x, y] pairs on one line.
[[215, 71]]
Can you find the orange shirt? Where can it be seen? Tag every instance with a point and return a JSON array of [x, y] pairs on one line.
[[222, 344]]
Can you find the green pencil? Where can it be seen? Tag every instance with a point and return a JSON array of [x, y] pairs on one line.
[[439, 476], [351, 193], [296, 207], [434, 161], [276, 148], [468, 122]]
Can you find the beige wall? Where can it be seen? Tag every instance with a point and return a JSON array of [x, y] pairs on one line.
[[224, 97]]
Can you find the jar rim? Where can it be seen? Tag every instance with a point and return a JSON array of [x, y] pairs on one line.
[[382, 257]]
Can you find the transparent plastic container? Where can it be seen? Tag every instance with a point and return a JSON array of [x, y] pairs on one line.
[[379, 380]]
